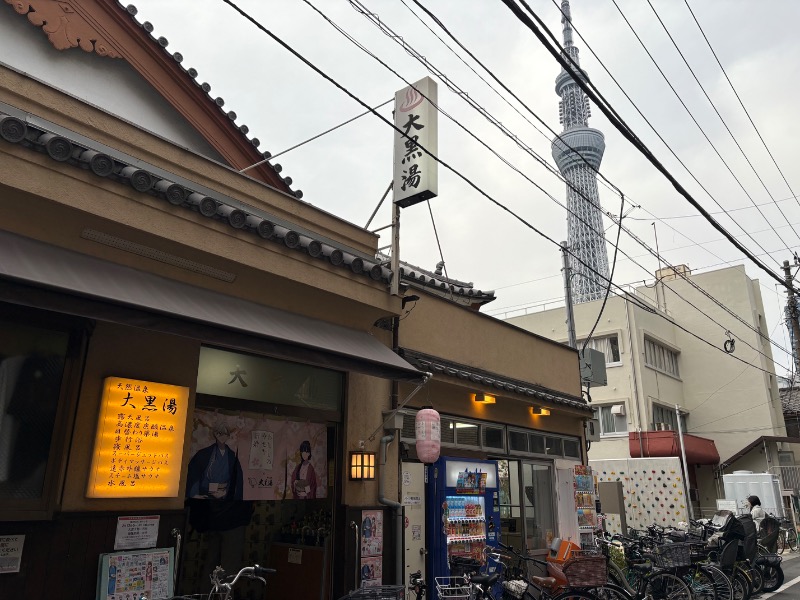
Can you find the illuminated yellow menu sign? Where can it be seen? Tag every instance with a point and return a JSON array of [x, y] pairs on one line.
[[139, 443]]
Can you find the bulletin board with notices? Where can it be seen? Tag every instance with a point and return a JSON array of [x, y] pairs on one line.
[[137, 574]]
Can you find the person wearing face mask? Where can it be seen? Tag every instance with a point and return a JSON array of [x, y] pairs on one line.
[[756, 512]]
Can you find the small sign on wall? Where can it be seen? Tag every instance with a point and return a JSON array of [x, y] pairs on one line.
[[136, 532], [11, 553]]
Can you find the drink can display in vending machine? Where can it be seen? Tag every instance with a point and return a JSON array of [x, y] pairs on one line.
[[463, 517]]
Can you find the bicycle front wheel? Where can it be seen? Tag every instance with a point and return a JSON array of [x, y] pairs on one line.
[[781, 542], [741, 585], [610, 591], [722, 583], [666, 586], [701, 583]]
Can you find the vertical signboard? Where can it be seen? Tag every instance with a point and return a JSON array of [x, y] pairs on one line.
[[139, 443], [415, 171]]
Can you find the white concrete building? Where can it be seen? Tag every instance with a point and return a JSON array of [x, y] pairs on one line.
[[661, 351]]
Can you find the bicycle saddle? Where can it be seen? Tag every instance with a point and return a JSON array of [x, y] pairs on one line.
[[643, 567], [485, 579], [548, 582]]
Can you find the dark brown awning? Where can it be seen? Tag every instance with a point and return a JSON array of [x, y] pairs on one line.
[[45, 276]]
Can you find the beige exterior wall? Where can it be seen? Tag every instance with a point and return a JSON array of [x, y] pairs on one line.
[[439, 328], [727, 401]]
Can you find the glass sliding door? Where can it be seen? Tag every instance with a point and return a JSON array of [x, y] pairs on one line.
[[511, 532], [538, 505]]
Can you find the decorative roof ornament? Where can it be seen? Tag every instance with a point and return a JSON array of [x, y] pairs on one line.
[[64, 27]]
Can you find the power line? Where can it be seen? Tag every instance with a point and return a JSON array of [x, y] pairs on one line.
[[311, 139], [611, 276], [686, 62], [447, 166], [729, 210], [453, 86], [626, 296], [728, 79], [619, 124]]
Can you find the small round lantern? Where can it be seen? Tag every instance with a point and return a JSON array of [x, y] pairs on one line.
[[429, 435]]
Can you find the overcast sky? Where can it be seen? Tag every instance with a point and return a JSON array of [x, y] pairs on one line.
[[284, 102]]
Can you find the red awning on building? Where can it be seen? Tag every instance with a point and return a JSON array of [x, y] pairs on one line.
[[699, 451]]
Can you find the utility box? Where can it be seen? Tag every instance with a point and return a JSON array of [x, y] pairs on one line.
[[741, 484], [593, 367]]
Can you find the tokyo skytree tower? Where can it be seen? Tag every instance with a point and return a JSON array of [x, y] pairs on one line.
[[580, 143]]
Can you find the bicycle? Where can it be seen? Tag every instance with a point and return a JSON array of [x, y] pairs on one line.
[[652, 583], [222, 586], [417, 585], [787, 538]]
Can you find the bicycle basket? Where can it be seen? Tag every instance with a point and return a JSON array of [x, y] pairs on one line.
[[452, 587], [586, 571], [670, 556], [514, 589], [379, 592]]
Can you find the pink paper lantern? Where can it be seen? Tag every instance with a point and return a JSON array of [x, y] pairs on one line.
[[429, 435]]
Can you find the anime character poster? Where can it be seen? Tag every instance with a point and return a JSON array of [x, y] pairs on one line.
[[371, 571], [303, 470], [277, 459], [371, 532]]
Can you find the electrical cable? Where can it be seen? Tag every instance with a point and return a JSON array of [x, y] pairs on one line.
[[729, 210], [491, 119], [610, 277], [446, 165], [733, 137], [626, 296], [311, 139], [439, 244], [728, 79], [623, 128]]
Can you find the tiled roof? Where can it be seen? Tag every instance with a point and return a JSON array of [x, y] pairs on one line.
[[439, 366], [461, 292], [218, 101], [790, 400]]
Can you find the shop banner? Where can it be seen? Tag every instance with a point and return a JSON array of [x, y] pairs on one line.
[[278, 459]]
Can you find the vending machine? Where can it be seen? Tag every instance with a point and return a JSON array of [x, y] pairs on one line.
[[463, 512]]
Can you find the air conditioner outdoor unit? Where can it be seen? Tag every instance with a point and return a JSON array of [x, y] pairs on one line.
[[618, 409], [662, 427]]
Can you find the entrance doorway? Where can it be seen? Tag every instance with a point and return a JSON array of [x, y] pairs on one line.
[[527, 504]]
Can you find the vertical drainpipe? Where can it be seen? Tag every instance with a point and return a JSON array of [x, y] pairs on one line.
[[635, 381]]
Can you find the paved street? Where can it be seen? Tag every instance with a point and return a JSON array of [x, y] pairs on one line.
[[791, 588]]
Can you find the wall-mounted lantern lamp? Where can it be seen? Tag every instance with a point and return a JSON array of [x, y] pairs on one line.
[[362, 465], [537, 411], [484, 398]]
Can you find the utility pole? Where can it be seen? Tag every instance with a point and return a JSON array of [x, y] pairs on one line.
[[573, 343], [792, 316], [685, 466]]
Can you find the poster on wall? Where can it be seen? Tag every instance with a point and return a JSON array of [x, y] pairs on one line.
[[371, 533], [371, 571], [135, 575], [276, 459]]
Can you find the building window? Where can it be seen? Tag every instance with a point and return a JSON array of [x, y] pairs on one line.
[[612, 419], [666, 416], [608, 345], [661, 358]]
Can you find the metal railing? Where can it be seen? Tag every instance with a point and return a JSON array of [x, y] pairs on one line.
[[789, 477]]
